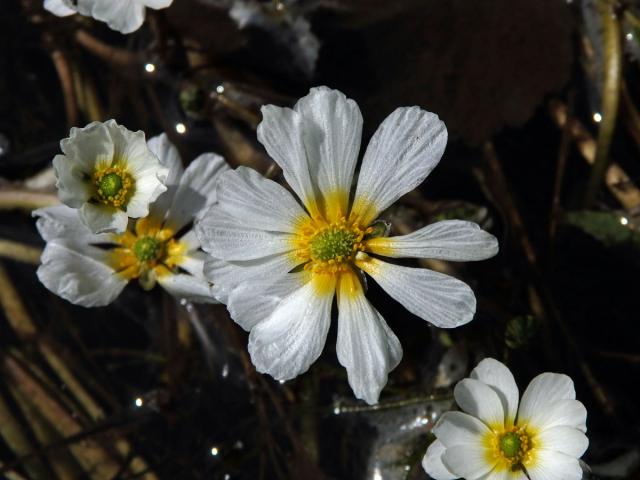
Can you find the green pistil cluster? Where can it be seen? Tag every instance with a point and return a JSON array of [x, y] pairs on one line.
[[510, 445], [333, 244], [147, 249], [110, 185]]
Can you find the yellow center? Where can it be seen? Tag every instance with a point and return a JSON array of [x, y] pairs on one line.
[[329, 248], [113, 184], [147, 253], [511, 448]]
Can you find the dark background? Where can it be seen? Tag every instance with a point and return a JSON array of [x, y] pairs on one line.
[[562, 295]]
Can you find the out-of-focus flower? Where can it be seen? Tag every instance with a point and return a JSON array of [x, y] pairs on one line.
[[278, 266], [109, 174], [541, 439], [125, 16], [92, 269]]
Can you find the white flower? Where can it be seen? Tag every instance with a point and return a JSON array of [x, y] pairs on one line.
[[261, 238], [92, 269], [125, 16], [109, 174], [542, 439]]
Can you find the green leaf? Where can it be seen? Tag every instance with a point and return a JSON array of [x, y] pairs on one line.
[[607, 227], [520, 330]]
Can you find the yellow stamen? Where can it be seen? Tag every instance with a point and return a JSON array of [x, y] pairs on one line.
[[114, 185], [146, 253], [511, 448]]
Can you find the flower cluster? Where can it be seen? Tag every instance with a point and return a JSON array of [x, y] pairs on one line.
[[278, 260], [89, 266], [125, 16], [495, 438]]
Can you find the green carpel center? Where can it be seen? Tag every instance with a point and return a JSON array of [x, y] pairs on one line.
[[146, 249], [110, 185], [332, 243], [510, 444]]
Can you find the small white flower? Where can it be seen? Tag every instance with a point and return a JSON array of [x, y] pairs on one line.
[[280, 266], [109, 174], [92, 269], [542, 439], [125, 16]]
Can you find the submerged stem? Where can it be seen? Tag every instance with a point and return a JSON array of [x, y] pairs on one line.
[[610, 96]]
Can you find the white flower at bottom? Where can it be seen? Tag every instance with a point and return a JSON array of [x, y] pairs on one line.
[[278, 264], [109, 174], [497, 439], [92, 269], [125, 16]]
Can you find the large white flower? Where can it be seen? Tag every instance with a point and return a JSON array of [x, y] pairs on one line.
[[542, 439], [277, 266], [92, 269], [109, 174], [125, 16]]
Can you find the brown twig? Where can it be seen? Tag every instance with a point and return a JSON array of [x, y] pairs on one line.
[[616, 179], [612, 71], [26, 200], [108, 53], [20, 252], [563, 153]]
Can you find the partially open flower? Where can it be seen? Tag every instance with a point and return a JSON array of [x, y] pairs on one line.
[[92, 269], [281, 263], [125, 16], [541, 439], [109, 174]]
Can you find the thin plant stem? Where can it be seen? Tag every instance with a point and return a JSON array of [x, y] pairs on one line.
[[610, 96]]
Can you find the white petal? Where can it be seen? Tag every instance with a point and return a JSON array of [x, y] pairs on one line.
[[81, 277], [467, 461], [169, 158], [89, 145], [188, 287], [550, 465], [230, 239], [458, 428], [292, 338], [366, 346], [403, 151], [255, 300], [125, 16], [193, 263], [455, 240], [440, 299], [282, 133], [226, 276], [332, 139], [568, 413], [157, 4], [103, 219], [432, 462], [244, 193], [481, 401], [71, 182], [567, 440], [500, 378], [60, 221], [196, 191], [61, 8], [542, 393]]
